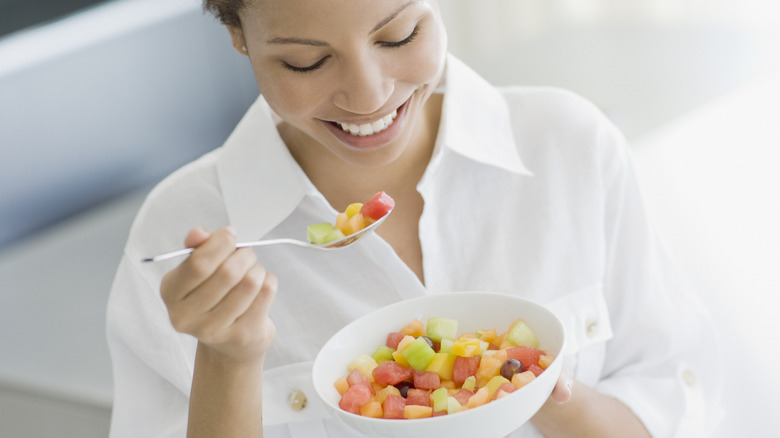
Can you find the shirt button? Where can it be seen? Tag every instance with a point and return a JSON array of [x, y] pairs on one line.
[[296, 400], [591, 328], [688, 377]]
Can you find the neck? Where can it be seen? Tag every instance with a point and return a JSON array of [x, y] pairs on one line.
[[327, 172]]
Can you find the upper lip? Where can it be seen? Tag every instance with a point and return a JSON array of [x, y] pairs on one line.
[[366, 120]]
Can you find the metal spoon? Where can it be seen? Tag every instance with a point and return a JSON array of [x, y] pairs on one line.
[[336, 244]]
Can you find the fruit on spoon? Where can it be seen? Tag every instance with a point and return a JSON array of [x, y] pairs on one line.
[[354, 218]]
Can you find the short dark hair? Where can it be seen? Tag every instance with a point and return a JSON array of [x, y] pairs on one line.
[[225, 10]]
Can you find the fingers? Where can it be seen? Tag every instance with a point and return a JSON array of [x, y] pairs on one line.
[[204, 261], [195, 237], [562, 391], [221, 295]]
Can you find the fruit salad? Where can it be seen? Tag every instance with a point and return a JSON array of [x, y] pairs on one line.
[[427, 370], [353, 219]]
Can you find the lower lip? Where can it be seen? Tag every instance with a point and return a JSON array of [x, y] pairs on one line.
[[372, 141]]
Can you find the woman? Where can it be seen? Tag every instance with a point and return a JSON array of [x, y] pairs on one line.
[[521, 190]]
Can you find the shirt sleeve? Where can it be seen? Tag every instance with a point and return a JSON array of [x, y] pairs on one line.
[[662, 361], [152, 372]]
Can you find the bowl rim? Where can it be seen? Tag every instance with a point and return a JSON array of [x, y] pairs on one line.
[[556, 365]]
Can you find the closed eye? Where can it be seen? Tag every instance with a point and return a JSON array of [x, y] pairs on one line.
[[310, 68], [403, 42]]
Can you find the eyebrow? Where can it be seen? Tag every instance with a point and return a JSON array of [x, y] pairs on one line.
[[303, 41], [318, 43]]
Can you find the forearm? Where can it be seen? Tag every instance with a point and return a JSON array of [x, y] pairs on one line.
[[588, 414], [226, 397]]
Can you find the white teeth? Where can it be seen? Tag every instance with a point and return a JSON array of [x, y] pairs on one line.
[[370, 128]]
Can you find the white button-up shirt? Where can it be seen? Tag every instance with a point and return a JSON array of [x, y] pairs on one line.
[[530, 191]]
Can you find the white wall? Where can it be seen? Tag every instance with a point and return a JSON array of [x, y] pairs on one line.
[[644, 62]]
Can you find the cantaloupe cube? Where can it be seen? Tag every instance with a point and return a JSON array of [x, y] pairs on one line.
[[371, 409], [500, 355], [341, 385], [442, 364], [415, 329], [488, 336], [354, 224], [417, 411], [489, 367], [341, 221], [545, 360], [501, 394], [522, 379], [479, 398], [449, 384]]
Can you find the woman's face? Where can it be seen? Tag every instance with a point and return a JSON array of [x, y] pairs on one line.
[[351, 75]]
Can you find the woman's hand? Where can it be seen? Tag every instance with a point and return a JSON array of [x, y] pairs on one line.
[[577, 410], [222, 295]]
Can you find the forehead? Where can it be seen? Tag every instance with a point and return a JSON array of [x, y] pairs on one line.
[[304, 16]]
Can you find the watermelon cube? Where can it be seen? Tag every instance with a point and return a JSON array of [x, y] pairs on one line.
[[393, 406], [355, 397], [391, 373], [378, 206]]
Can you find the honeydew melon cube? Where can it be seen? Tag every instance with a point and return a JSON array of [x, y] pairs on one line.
[[446, 346], [521, 334], [439, 328], [398, 353], [317, 232], [470, 383], [383, 353], [439, 398], [453, 405], [419, 354]]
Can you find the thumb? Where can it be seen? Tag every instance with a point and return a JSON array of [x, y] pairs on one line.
[[196, 236], [562, 391]]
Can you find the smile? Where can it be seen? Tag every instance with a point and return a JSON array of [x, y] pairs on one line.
[[372, 128]]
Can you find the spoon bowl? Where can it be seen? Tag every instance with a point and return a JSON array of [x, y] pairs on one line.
[[330, 246]]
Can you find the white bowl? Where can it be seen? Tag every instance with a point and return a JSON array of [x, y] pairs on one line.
[[473, 310]]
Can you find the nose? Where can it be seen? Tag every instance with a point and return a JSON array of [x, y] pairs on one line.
[[363, 87]]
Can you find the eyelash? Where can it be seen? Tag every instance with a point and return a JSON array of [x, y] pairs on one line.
[[318, 64], [404, 41]]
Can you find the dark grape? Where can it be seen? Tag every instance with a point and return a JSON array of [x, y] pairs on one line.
[[403, 387], [511, 367], [428, 340]]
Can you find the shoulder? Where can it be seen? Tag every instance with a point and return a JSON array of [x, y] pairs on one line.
[[552, 107], [556, 119]]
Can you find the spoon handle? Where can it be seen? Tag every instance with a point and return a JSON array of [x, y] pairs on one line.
[[185, 251]]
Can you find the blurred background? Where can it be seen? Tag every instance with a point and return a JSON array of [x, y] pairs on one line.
[[101, 99]]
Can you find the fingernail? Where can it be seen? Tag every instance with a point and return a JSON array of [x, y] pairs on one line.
[[230, 229]]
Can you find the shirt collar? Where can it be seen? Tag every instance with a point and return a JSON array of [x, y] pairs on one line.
[[261, 182], [476, 121]]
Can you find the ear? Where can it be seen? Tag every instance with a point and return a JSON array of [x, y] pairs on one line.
[[237, 38]]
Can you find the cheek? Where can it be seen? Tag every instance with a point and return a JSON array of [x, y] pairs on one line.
[[287, 97], [427, 60]]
